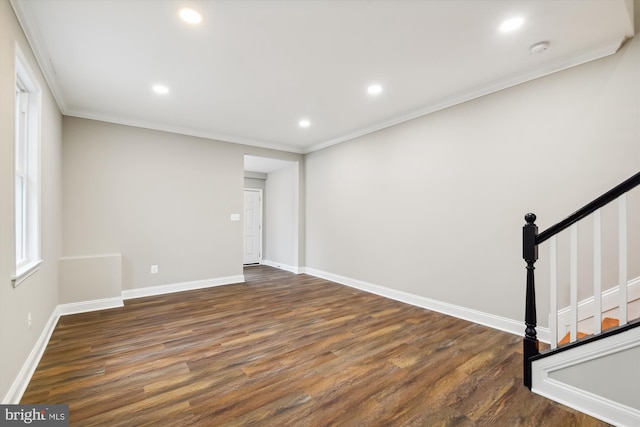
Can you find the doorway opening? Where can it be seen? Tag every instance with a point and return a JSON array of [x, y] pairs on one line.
[[279, 229]]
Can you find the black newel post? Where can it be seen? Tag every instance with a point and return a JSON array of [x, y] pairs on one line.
[[530, 255]]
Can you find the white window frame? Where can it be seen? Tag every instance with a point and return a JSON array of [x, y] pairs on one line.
[[27, 197]]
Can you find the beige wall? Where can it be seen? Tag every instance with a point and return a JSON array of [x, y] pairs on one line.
[[155, 197], [435, 206], [39, 293]]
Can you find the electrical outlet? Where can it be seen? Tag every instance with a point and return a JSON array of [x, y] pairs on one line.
[[29, 321], [154, 269]]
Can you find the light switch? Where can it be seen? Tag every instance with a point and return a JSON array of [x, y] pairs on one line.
[[235, 217]]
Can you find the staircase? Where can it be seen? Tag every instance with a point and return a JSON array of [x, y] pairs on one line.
[[595, 366], [607, 323]]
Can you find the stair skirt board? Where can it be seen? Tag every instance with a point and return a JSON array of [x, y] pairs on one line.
[[596, 405]]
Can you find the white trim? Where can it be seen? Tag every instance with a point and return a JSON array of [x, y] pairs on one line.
[[21, 382], [610, 300], [281, 266], [24, 272], [180, 130], [87, 306], [583, 401], [25, 80], [179, 287], [487, 319], [73, 257]]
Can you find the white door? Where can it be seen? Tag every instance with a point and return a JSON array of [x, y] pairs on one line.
[[252, 226]]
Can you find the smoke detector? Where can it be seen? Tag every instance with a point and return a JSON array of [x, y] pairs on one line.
[[539, 47]]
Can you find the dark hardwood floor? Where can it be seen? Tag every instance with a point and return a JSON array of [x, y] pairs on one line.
[[286, 350]]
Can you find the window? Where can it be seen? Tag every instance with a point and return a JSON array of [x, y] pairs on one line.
[[27, 172]]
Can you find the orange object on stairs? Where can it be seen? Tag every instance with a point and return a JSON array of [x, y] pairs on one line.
[[607, 323]]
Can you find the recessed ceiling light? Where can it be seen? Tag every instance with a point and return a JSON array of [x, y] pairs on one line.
[[160, 89], [375, 89], [191, 16], [511, 24], [304, 123]]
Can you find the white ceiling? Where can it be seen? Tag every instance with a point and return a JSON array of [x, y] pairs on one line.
[[253, 68]]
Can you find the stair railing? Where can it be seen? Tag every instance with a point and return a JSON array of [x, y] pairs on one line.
[[531, 239]]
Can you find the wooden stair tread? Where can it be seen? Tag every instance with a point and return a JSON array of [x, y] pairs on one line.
[[607, 323]]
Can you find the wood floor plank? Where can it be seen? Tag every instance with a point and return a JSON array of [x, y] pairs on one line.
[[286, 350]]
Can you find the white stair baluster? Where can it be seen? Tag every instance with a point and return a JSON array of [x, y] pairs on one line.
[[573, 283], [597, 272], [622, 258], [553, 267]]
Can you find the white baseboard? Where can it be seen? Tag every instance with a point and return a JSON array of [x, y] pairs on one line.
[[610, 301], [21, 382], [289, 268], [179, 287], [486, 319], [597, 406], [87, 306]]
